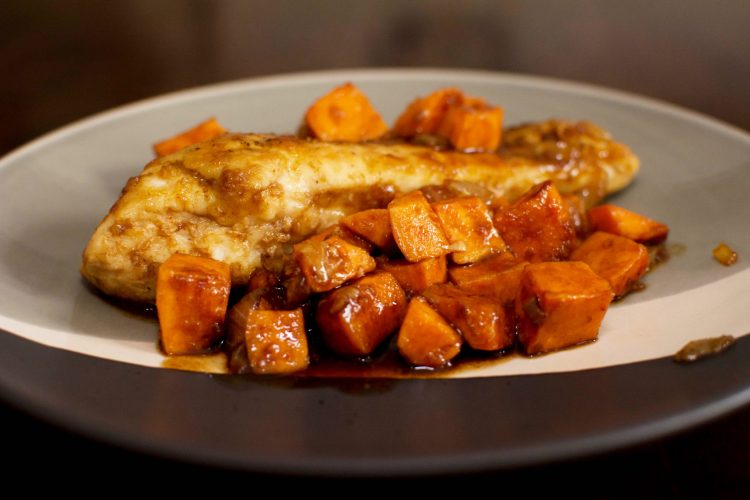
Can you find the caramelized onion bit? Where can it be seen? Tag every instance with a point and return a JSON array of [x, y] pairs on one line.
[[724, 254], [703, 348]]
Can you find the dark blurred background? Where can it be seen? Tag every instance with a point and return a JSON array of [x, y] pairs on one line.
[[63, 60]]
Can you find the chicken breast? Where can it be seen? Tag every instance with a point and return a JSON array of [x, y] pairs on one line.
[[243, 198]]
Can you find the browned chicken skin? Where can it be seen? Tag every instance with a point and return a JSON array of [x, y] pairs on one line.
[[244, 198]]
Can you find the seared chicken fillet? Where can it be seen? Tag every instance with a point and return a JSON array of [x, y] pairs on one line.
[[243, 198]]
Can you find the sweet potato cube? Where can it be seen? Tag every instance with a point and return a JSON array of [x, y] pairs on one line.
[[473, 128], [467, 221], [276, 341], [622, 222], [416, 276], [373, 225], [537, 226], [416, 228], [498, 276], [192, 294], [356, 318], [620, 261], [236, 324], [561, 304], [425, 338], [202, 132], [327, 262], [481, 321], [425, 114], [345, 114]]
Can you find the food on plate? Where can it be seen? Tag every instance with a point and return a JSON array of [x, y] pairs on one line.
[[560, 304], [425, 338], [623, 222], [703, 348], [344, 114], [442, 236], [202, 132], [244, 198], [467, 123], [191, 299], [620, 261], [724, 254], [356, 318]]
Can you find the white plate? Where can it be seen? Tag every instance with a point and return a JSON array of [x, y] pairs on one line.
[[695, 177]]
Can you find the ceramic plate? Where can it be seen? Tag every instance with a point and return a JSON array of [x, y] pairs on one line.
[[89, 366]]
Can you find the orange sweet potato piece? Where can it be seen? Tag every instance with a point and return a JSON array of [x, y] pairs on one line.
[[345, 114], [623, 222], [498, 276], [467, 221], [537, 226], [416, 229], [356, 318], [481, 321], [327, 261], [561, 304], [236, 324], [424, 115], [473, 128], [373, 225], [425, 338], [202, 132], [192, 294], [276, 342], [416, 276], [620, 261]]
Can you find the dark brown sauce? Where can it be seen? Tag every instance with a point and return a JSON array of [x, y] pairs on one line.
[[206, 363], [662, 253]]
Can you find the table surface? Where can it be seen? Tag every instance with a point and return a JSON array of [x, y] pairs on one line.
[[65, 60]]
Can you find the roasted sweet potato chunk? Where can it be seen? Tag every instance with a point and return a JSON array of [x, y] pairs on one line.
[[202, 132], [498, 276], [473, 127], [276, 341], [416, 276], [561, 304], [373, 225], [481, 321], [425, 338], [467, 221], [329, 261], [620, 261], [425, 114], [191, 300], [345, 114], [356, 318], [623, 222], [537, 226], [416, 228]]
